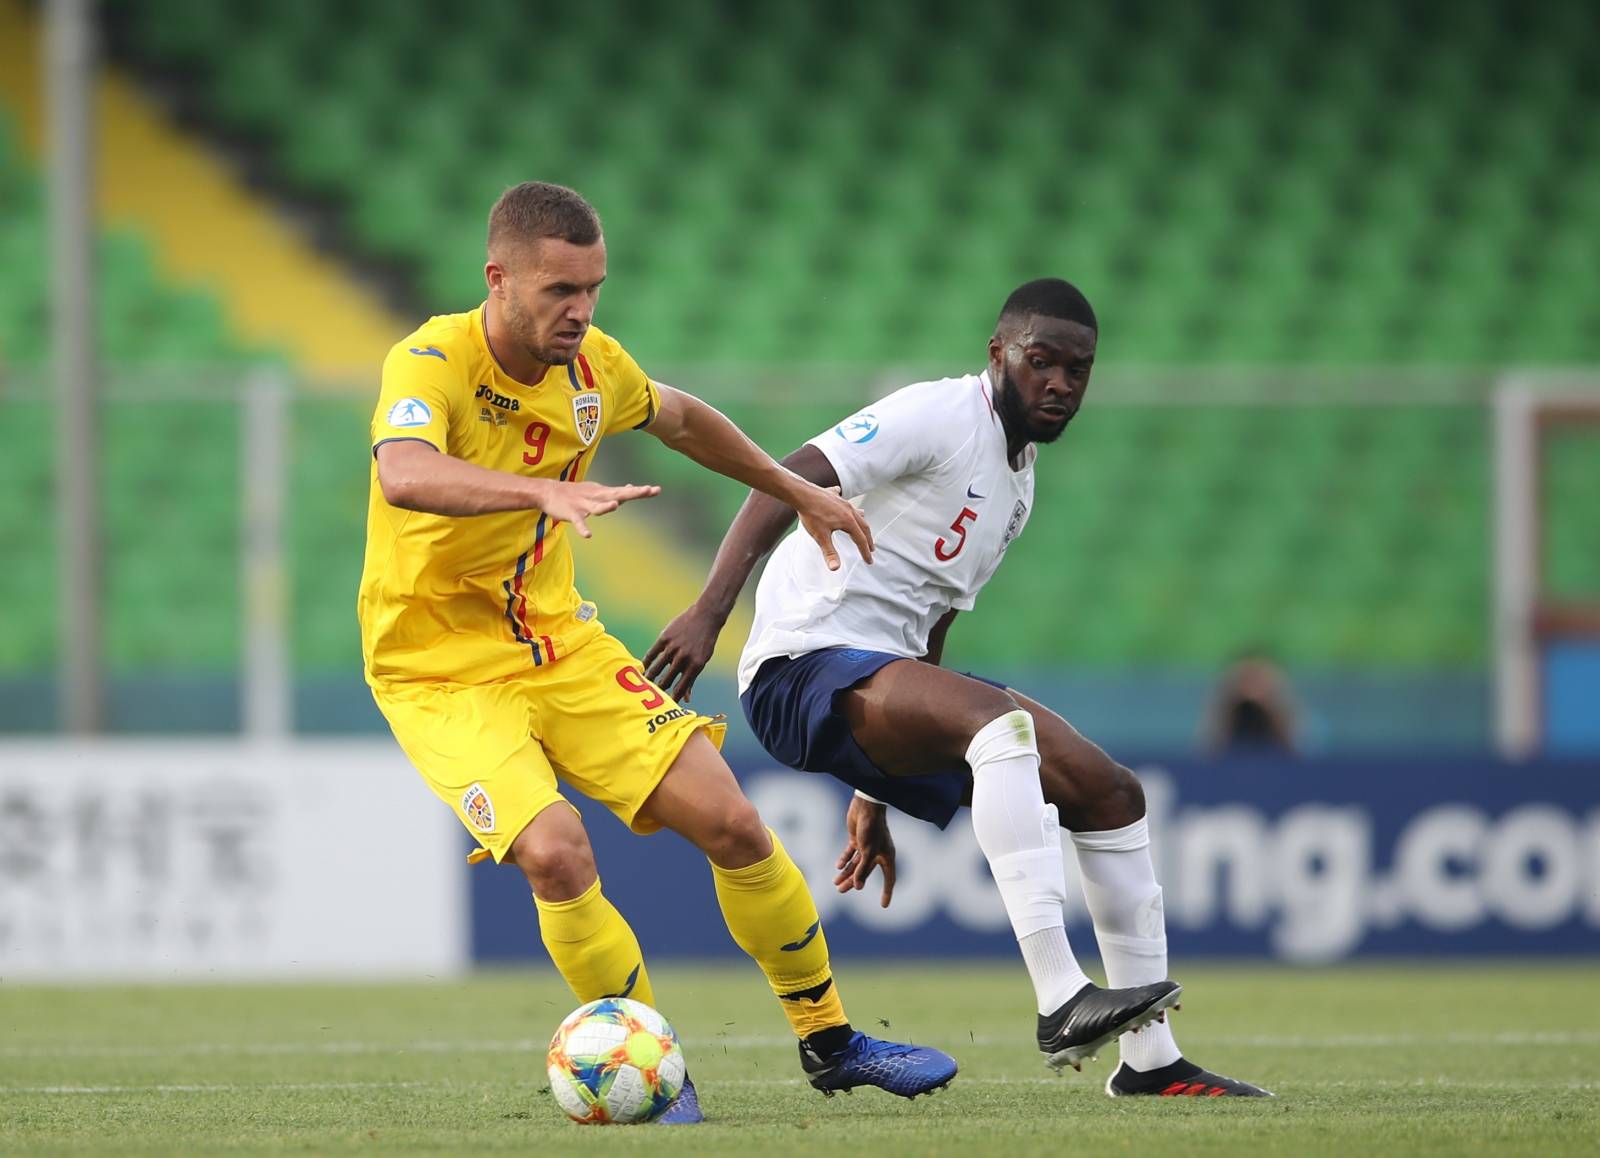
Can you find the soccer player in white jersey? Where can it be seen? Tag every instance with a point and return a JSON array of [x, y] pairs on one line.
[[841, 675]]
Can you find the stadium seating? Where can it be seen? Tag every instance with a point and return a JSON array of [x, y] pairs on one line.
[[170, 519], [144, 320], [1236, 184], [1363, 183]]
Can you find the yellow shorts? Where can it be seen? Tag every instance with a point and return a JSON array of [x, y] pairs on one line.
[[494, 751]]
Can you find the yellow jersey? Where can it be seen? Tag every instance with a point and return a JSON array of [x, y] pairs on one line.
[[470, 600]]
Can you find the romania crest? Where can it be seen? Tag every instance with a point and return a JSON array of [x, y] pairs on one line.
[[478, 808], [586, 410]]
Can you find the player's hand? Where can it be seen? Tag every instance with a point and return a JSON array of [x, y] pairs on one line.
[[824, 511], [682, 650], [869, 846], [574, 502]]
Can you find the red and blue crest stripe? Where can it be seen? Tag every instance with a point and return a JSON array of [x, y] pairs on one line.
[[578, 365]]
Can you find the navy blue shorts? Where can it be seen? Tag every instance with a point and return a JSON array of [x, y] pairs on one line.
[[790, 708]]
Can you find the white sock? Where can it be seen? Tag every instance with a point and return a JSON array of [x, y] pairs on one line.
[[1119, 882], [1053, 969], [1021, 837]]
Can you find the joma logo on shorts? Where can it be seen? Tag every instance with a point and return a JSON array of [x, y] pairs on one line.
[[664, 717]]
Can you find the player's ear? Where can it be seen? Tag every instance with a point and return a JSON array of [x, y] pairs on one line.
[[495, 274]]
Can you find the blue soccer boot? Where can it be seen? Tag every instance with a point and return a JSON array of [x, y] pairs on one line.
[[685, 1108], [906, 1070]]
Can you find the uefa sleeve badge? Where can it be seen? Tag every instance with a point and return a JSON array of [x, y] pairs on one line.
[[862, 427], [408, 413]]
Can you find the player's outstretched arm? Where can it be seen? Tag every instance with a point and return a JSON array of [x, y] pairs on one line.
[[705, 434], [686, 644], [415, 477]]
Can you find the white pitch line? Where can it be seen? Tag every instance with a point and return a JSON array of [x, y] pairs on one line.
[[273, 1048], [765, 1041], [1380, 1040], [1453, 1084], [1058, 1081], [211, 1088]]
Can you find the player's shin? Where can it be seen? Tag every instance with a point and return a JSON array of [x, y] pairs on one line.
[[770, 912], [1119, 884], [1021, 838], [594, 948]]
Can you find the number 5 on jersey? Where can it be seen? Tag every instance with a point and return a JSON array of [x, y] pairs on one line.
[[944, 551]]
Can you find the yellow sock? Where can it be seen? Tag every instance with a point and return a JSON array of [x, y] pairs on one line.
[[771, 915], [594, 948]]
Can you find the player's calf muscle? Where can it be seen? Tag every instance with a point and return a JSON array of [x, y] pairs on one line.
[[1091, 791], [1092, 795], [1127, 795]]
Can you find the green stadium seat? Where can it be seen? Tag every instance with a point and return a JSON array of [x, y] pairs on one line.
[[261, 79], [334, 152], [400, 210], [187, 34], [1244, 185]]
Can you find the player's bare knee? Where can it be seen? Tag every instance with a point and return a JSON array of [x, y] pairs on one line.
[[558, 866], [740, 838], [984, 707], [558, 874]]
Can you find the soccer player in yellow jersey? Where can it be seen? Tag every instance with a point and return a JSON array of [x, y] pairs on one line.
[[498, 678]]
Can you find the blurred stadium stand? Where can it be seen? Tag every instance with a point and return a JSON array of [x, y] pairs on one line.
[[1241, 183], [144, 318], [819, 194]]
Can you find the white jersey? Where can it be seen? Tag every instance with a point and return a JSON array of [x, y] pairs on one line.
[[928, 466]]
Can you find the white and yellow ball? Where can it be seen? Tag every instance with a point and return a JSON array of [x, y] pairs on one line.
[[615, 1061]]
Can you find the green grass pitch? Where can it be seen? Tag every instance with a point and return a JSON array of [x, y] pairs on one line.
[[1386, 1060]]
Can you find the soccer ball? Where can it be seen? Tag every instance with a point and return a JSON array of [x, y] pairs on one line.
[[615, 1061]]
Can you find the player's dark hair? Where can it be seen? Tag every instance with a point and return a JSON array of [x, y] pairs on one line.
[[533, 210], [1049, 297]]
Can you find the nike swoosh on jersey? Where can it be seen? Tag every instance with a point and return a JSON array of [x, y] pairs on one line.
[[430, 352], [972, 494]]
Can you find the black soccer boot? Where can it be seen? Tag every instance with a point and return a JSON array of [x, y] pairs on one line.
[[1181, 1079], [1095, 1016]]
